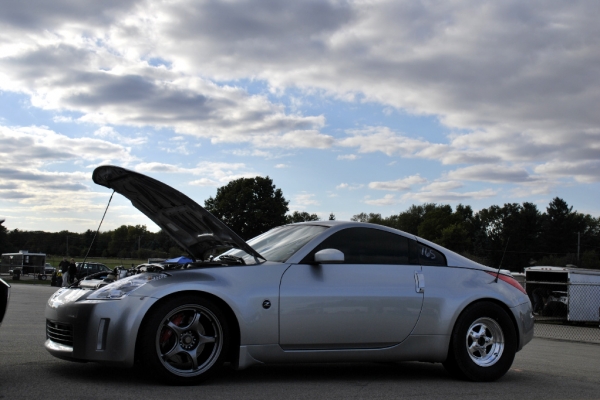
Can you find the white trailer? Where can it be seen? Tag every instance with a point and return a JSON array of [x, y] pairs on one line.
[[569, 292]]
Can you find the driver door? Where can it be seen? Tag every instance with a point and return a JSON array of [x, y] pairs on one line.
[[370, 300]]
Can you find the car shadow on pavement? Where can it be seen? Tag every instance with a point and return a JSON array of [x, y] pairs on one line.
[[347, 373]]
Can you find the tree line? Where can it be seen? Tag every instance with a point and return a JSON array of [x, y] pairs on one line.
[[513, 236], [126, 241]]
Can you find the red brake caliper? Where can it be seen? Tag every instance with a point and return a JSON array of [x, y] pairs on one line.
[[167, 332]]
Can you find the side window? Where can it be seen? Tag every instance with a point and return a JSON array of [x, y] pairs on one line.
[[366, 246], [429, 256]]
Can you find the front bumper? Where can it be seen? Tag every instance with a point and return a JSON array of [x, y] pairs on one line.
[[103, 331]]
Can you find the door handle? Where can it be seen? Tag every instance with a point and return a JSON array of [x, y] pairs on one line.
[[419, 282]]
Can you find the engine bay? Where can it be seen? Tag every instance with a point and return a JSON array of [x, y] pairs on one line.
[[101, 279]]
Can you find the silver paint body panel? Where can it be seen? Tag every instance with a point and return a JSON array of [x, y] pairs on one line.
[[355, 306]]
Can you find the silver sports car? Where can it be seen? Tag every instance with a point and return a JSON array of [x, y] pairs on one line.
[[323, 291]]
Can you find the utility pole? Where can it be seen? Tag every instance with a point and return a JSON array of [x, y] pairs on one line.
[[578, 245]]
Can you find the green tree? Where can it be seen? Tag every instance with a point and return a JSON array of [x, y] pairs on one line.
[[589, 259], [409, 220], [563, 229], [4, 245], [373, 218], [508, 235], [249, 206], [451, 229], [300, 216]]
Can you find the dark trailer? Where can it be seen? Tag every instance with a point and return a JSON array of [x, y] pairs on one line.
[[29, 263]]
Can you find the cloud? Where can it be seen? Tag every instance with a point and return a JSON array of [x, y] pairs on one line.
[[439, 186], [382, 139], [133, 94], [253, 153], [586, 171], [445, 196], [349, 157], [45, 177], [157, 167], [31, 14], [491, 173], [182, 149], [387, 200], [279, 166], [223, 173], [399, 184], [354, 186], [212, 173], [204, 182], [539, 187], [110, 133], [292, 139], [40, 145], [301, 200]]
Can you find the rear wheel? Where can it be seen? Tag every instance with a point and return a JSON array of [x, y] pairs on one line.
[[483, 343], [184, 341]]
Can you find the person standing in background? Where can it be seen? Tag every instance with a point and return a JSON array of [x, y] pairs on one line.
[[72, 270], [64, 268]]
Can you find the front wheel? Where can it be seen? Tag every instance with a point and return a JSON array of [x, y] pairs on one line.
[[184, 340], [483, 343]]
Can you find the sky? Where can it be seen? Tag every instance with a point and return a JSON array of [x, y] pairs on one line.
[[349, 106]]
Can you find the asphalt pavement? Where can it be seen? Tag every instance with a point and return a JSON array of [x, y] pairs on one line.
[[544, 369]]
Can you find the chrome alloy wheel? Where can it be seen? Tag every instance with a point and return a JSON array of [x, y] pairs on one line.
[[485, 342], [189, 340]]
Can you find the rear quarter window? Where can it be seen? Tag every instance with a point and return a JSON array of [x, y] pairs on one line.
[[429, 256]]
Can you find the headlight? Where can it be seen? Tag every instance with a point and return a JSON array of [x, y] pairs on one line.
[[123, 287]]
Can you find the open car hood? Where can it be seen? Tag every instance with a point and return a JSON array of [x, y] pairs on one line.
[[190, 225]]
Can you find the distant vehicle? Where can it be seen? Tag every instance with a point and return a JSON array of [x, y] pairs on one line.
[[48, 269], [89, 268], [4, 298], [29, 263]]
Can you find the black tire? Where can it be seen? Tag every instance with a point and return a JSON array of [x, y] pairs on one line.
[[483, 343], [184, 340]]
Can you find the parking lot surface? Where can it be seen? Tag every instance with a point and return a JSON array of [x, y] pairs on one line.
[[544, 369]]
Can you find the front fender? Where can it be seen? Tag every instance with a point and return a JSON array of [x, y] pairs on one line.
[[244, 289]]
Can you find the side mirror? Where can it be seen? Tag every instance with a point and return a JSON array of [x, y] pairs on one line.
[[329, 256]]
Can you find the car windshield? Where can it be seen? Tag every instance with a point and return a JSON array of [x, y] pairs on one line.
[[279, 243]]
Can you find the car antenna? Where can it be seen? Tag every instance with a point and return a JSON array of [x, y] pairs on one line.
[[94, 238], [503, 254]]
